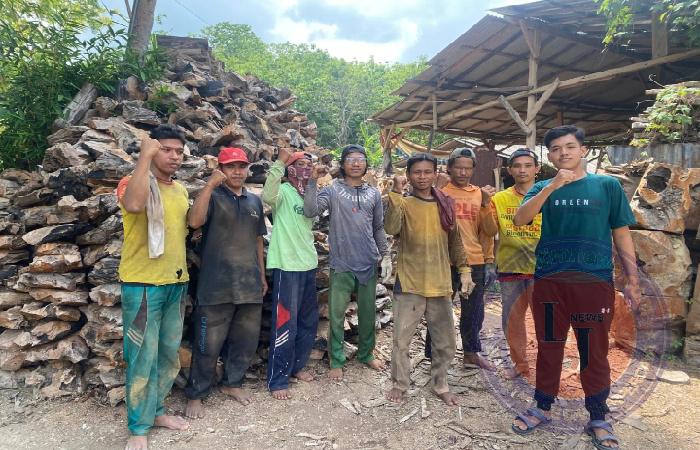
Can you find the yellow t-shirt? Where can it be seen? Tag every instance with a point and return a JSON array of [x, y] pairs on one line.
[[171, 267], [516, 245], [425, 249]]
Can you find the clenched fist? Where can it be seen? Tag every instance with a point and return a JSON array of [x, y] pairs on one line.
[[319, 171], [563, 177], [399, 184], [149, 148], [486, 193], [217, 177], [284, 154]]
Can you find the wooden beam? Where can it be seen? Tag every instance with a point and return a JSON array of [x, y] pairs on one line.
[[514, 114], [534, 42], [435, 124], [531, 115], [659, 36], [567, 84], [534, 50]]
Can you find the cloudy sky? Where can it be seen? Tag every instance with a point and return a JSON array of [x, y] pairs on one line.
[[389, 30]]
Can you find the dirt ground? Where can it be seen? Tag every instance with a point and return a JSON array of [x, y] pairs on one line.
[[318, 417]]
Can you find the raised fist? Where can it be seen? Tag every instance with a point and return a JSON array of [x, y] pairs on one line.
[[149, 148], [486, 193], [399, 183], [284, 154], [319, 171], [217, 177], [563, 177]]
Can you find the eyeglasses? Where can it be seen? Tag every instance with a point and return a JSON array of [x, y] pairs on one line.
[[354, 160]]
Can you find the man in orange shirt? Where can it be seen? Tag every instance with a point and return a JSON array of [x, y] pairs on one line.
[[476, 228]]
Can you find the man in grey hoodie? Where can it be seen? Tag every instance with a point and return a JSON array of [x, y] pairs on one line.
[[357, 242]]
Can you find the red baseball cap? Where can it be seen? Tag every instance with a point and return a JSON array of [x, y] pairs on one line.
[[232, 154]]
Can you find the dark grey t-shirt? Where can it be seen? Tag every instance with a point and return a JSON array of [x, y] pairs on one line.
[[230, 272]]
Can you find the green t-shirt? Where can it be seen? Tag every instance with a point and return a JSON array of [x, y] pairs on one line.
[[577, 220], [292, 243]]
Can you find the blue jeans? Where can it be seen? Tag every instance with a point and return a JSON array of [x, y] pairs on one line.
[[294, 325]]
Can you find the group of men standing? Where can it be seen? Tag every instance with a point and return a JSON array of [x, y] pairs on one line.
[[445, 227]]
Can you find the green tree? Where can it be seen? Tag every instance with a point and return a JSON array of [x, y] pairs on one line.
[[338, 95], [48, 50], [682, 15]]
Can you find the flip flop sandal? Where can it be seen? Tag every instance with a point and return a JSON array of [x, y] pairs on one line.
[[525, 418], [598, 441]]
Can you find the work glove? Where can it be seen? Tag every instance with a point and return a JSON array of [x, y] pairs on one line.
[[489, 274], [386, 268], [468, 285]]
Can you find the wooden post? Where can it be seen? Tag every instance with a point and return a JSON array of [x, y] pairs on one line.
[[533, 40], [385, 139], [659, 36], [140, 25], [432, 131]]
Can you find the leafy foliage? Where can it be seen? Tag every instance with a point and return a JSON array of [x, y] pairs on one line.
[[338, 95], [671, 117], [682, 15], [48, 50]]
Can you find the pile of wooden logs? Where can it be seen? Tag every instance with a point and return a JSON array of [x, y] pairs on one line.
[[665, 200], [61, 228]]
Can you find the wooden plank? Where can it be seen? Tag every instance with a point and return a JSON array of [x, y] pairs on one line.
[[533, 62], [573, 82], [659, 36], [79, 105], [531, 115], [534, 50], [514, 114]]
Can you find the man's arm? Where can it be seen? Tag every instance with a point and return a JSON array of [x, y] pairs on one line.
[[315, 203], [261, 263], [378, 226], [622, 238], [137, 191], [198, 213], [271, 188], [458, 256]]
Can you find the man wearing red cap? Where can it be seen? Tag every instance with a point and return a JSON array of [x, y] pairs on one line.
[[231, 281], [293, 260]]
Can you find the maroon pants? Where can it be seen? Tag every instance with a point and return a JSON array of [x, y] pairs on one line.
[[586, 303]]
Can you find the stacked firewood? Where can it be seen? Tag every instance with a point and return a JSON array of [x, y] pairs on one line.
[[61, 227]]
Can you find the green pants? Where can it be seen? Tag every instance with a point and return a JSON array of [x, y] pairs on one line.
[[152, 317], [343, 284]]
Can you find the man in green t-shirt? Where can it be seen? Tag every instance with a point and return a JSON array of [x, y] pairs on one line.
[[583, 214], [293, 260]]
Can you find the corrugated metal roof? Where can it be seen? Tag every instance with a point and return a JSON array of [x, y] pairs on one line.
[[494, 55]]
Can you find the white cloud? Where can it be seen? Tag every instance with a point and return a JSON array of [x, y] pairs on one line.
[[302, 31], [363, 50]]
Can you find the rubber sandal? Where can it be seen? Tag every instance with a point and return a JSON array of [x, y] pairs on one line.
[[598, 441], [525, 418]]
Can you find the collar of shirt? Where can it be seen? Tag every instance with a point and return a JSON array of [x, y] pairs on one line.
[[244, 191], [469, 188]]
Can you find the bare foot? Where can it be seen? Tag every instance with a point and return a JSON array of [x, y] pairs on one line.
[[241, 396], [448, 397], [194, 409], [535, 421], [304, 376], [176, 423], [514, 373], [281, 394], [395, 395], [376, 364], [136, 443], [336, 374], [478, 360]]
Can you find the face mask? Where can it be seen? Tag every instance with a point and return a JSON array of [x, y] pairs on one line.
[[299, 176]]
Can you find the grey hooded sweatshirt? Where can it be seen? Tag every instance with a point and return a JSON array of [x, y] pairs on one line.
[[356, 236]]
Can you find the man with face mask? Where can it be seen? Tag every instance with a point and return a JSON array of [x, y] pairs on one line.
[[293, 260]]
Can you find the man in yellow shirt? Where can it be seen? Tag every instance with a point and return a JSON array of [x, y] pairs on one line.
[[476, 229], [154, 280], [515, 258], [429, 242]]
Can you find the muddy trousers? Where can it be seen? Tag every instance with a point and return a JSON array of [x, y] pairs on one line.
[[152, 317], [587, 304], [409, 309], [294, 325], [516, 296], [233, 328], [343, 284]]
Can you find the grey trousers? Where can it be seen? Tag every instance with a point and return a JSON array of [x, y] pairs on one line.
[[409, 309]]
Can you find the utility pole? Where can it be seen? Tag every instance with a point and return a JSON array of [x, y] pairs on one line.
[[141, 25]]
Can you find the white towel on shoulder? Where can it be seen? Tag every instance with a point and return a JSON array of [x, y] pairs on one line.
[[156, 222]]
